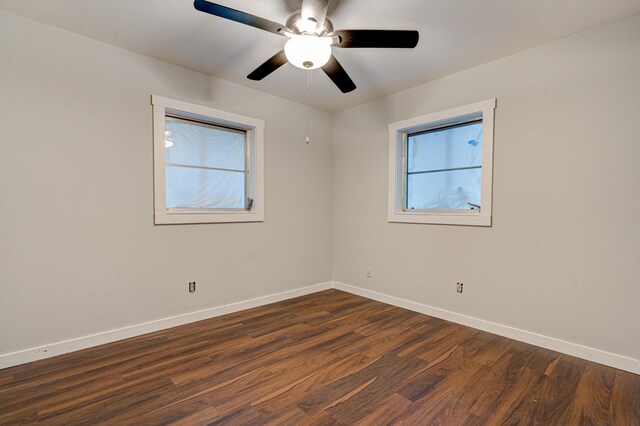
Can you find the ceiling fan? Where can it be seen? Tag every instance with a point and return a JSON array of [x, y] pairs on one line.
[[311, 36]]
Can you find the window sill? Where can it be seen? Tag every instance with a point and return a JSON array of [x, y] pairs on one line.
[[217, 217], [452, 218]]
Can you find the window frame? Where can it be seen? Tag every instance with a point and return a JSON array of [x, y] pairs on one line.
[[254, 177], [398, 138]]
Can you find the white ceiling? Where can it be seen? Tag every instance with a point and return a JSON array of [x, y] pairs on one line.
[[454, 35]]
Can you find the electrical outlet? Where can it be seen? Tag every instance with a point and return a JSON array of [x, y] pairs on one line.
[[369, 272], [459, 287], [192, 287]]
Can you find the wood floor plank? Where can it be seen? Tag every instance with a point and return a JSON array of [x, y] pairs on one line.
[[459, 373], [387, 411], [290, 395], [625, 399], [321, 359], [593, 396], [368, 398], [557, 392], [329, 395], [484, 389], [193, 411]]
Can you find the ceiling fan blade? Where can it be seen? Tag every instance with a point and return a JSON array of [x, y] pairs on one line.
[[238, 16], [272, 64], [338, 75], [315, 10], [376, 38]]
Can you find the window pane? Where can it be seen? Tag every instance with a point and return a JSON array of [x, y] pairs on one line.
[[204, 189], [445, 149], [444, 190], [201, 145]]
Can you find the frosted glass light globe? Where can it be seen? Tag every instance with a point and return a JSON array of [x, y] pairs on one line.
[[308, 51]]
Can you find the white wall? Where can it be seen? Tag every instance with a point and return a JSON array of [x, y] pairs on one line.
[[79, 253], [563, 256]]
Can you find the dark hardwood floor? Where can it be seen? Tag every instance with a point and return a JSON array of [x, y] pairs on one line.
[[327, 358]]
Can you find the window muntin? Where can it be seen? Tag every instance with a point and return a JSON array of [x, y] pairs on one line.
[[194, 188], [206, 165], [444, 167]]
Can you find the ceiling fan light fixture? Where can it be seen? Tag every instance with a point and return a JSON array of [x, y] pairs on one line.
[[308, 52]]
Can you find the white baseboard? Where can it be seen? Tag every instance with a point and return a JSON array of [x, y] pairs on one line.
[[574, 349], [58, 348]]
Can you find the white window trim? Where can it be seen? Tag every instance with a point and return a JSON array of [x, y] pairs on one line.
[[397, 137], [255, 138]]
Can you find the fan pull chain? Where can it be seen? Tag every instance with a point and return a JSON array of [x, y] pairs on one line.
[[308, 87]]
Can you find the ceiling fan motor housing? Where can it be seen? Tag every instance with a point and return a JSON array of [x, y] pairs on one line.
[[299, 25]]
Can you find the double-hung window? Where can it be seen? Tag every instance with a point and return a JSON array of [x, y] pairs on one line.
[[440, 167], [207, 164]]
